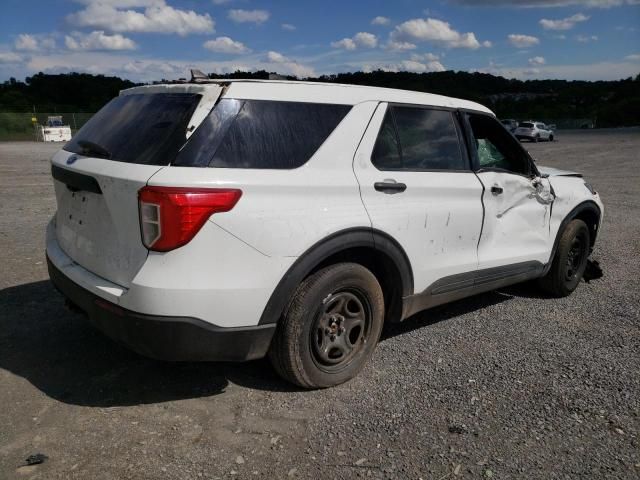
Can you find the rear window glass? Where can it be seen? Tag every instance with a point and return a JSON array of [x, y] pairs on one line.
[[148, 129], [526, 125], [426, 139], [261, 134]]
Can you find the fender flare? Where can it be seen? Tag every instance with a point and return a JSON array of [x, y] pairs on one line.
[[325, 248], [586, 206]]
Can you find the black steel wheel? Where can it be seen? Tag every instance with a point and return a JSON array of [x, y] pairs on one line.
[[570, 260], [331, 327]]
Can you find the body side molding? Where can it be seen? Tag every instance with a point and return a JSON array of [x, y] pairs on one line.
[[463, 285]]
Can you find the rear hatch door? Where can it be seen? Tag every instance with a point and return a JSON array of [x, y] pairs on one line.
[[99, 172]]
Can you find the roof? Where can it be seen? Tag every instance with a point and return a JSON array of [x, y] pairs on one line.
[[317, 92]]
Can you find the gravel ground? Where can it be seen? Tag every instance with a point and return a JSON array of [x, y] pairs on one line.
[[502, 385]]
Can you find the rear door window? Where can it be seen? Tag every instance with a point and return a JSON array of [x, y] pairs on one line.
[[418, 139], [147, 128], [261, 134]]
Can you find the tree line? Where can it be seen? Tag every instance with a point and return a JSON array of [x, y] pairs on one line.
[[607, 103]]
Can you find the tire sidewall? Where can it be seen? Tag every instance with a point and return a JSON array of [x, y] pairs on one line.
[[575, 228], [353, 278]]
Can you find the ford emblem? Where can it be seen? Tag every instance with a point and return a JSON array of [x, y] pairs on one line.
[[72, 159]]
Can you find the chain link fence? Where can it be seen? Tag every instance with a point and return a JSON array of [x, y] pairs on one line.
[[21, 126]]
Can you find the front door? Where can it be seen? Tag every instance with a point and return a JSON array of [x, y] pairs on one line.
[[517, 201]]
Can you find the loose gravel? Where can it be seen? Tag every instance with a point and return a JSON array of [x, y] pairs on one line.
[[507, 384]]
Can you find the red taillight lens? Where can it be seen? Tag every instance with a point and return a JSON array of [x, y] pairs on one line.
[[171, 216]]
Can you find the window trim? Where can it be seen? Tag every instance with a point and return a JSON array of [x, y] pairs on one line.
[[464, 113], [462, 147]]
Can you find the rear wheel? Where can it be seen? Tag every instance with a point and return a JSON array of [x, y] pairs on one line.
[[569, 261], [551, 138], [331, 327]]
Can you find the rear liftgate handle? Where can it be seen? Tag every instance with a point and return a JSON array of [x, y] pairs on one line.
[[390, 186], [496, 190]]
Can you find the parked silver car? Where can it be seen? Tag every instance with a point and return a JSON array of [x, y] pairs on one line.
[[534, 132]]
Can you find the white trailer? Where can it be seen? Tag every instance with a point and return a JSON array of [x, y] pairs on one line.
[[53, 131]]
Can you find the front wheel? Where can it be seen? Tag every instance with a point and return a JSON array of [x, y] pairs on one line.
[[331, 327], [551, 138], [569, 262]]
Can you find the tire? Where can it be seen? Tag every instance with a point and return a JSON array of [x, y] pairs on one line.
[[330, 328], [551, 138], [536, 139], [569, 261]]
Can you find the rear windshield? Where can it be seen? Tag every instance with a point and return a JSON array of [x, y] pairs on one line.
[[147, 129], [526, 125], [260, 134]]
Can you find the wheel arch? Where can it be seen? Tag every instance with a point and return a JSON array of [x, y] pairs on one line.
[[587, 211], [371, 248]]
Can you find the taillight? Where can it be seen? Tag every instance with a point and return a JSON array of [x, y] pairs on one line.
[[171, 216]]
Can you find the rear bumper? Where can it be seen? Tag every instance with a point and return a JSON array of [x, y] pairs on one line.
[[165, 338]]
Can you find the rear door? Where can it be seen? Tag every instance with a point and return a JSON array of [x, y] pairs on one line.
[[418, 187], [517, 201], [99, 172]]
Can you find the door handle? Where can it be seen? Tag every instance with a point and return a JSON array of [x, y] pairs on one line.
[[390, 187], [496, 190]]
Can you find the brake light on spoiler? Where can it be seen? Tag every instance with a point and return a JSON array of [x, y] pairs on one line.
[[171, 216]]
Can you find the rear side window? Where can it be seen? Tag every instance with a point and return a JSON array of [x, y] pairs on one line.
[[147, 129], [425, 139], [526, 125], [261, 134]]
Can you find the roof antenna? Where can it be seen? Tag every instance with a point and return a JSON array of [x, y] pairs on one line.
[[198, 75]]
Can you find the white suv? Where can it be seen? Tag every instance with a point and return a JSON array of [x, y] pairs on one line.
[[234, 219], [533, 131]]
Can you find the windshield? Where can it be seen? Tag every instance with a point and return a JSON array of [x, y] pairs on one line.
[[526, 125], [147, 129]]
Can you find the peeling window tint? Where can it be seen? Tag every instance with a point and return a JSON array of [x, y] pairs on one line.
[[261, 134]]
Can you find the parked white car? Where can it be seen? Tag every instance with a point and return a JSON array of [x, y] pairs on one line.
[[534, 132], [230, 220]]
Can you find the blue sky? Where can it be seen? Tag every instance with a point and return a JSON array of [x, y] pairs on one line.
[[146, 40]]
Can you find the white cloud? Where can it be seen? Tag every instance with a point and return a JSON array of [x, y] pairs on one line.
[[634, 58], [31, 43], [548, 3], [98, 40], [225, 45], [379, 20], [221, 2], [564, 23], [249, 16], [26, 42], [288, 66], [586, 38], [400, 46], [359, 40], [10, 57], [125, 16], [433, 30], [535, 61], [406, 66], [523, 41], [429, 57], [589, 71], [276, 57], [289, 27]]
